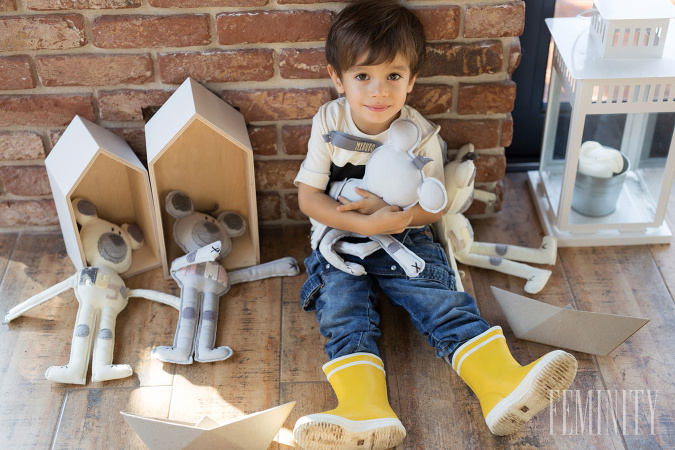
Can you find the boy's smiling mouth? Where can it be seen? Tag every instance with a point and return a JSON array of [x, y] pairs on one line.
[[377, 108]]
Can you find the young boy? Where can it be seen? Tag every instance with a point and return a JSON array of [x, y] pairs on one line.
[[375, 49]]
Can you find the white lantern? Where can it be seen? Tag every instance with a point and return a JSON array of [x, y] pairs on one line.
[[608, 152]]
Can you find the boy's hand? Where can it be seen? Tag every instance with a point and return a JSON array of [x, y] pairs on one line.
[[369, 204], [389, 220]]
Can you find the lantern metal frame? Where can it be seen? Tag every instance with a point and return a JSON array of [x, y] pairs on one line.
[[638, 88]]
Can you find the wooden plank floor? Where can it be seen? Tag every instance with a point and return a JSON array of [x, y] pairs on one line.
[[279, 351]]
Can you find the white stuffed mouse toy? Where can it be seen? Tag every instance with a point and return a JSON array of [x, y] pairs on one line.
[[393, 173], [456, 230], [101, 294], [203, 281]]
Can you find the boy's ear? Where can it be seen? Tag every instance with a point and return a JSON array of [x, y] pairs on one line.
[[336, 79], [411, 83]]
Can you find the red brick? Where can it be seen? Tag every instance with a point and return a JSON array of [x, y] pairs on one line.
[[43, 5], [135, 137], [25, 180], [490, 168], [462, 59], [15, 73], [431, 98], [205, 3], [140, 31], [296, 139], [480, 133], [307, 63], [272, 26], [217, 66], [293, 207], [128, 104], [305, 2], [54, 136], [7, 5], [263, 140], [500, 20], [275, 175], [486, 98], [507, 131], [44, 110], [94, 69], [514, 54], [278, 104], [269, 206], [21, 145], [37, 32], [440, 23], [28, 213]]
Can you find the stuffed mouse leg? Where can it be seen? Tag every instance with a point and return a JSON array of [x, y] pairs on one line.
[[546, 254], [181, 351], [205, 350], [326, 247], [75, 371], [216, 286], [411, 264], [102, 368]]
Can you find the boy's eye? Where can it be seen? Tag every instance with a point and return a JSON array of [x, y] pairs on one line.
[[361, 77], [394, 76]]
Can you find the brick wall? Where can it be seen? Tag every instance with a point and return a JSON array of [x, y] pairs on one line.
[[111, 60]]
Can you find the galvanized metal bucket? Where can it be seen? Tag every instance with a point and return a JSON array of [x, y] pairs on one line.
[[595, 196]]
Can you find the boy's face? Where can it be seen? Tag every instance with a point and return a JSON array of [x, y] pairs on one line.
[[375, 93]]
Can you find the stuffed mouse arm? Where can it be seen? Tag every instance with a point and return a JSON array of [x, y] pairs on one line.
[[159, 297], [40, 298], [283, 267]]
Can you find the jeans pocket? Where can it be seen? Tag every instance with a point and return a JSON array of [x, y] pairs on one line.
[[419, 236], [310, 291], [439, 274]]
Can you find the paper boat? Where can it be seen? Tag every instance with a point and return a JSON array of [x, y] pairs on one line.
[[254, 431], [582, 331]]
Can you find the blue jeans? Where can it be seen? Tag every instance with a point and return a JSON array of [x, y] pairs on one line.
[[345, 304]]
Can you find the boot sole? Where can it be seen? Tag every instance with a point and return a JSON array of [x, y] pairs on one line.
[[327, 432], [543, 385]]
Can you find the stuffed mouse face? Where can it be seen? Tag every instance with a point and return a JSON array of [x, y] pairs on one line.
[[104, 243], [194, 230]]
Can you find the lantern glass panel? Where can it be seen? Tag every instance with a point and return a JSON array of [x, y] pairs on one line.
[[623, 188]]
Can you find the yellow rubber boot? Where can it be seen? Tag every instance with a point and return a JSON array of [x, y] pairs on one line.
[[363, 418], [511, 394]]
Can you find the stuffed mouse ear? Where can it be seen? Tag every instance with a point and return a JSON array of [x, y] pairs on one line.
[[404, 134], [179, 204], [432, 195], [135, 234], [84, 211], [234, 224]]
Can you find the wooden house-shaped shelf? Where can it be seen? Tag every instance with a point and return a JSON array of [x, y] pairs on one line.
[[198, 144], [91, 162]]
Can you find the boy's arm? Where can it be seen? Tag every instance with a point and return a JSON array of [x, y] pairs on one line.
[[372, 203], [316, 204], [422, 217]]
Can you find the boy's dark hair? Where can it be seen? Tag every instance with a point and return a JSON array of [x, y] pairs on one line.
[[377, 30]]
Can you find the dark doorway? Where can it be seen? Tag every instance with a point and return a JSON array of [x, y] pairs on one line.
[[531, 78]]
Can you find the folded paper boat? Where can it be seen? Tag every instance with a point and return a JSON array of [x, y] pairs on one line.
[[583, 331], [254, 431]]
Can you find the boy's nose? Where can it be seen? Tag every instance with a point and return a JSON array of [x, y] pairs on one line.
[[379, 89]]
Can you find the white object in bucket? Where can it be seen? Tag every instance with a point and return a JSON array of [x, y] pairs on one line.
[[595, 160]]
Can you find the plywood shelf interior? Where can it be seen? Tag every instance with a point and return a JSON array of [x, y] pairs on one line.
[[91, 162], [198, 144]]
